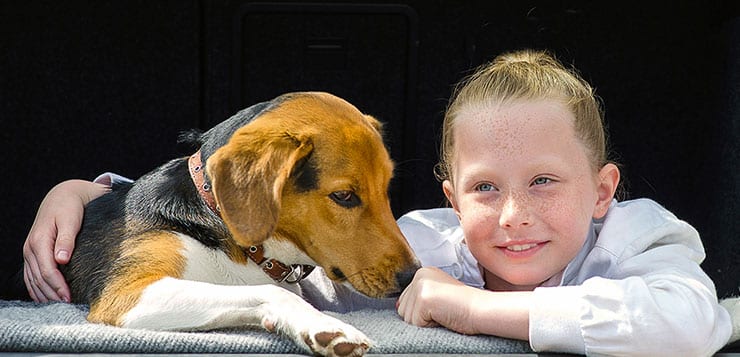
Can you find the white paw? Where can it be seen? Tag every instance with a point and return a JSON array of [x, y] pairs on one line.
[[290, 315], [733, 307], [330, 337]]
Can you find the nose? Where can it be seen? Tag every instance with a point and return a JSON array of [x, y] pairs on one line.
[[404, 277], [515, 212]]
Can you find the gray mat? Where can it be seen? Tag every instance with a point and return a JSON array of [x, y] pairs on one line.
[[62, 328]]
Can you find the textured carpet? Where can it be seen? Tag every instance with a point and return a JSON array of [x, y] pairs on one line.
[[62, 328]]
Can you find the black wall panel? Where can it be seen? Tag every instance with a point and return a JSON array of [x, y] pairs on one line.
[[366, 54], [88, 87]]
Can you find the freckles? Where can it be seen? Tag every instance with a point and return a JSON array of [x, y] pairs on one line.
[[543, 207], [558, 212], [500, 133], [478, 213], [507, 140], [478, 220], [568, 218], [588, 196]]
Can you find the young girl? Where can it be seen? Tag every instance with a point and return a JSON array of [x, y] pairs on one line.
[[535, 247], [551, 256]]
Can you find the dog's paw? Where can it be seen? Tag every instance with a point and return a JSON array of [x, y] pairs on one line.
[[335, 339], [289, 315]]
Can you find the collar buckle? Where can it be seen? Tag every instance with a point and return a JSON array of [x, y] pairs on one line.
[[277, 270]]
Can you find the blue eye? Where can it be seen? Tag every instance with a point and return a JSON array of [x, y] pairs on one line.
[[485, 187], [541, 181]]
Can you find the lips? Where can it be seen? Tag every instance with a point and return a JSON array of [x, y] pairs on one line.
[[521, 249]]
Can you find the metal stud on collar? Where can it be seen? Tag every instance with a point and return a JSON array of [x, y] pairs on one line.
[[277, 270]]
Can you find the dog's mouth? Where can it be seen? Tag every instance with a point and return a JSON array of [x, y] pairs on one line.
[[395, 295], [391, 294], [337, 274], [374, 283]]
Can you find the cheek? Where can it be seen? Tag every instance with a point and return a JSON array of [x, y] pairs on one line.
[[567, 223], [569, 217], [477, 220]]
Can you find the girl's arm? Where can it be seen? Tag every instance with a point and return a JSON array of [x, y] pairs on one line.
[[434, 298], [52, 238], [673, 314]]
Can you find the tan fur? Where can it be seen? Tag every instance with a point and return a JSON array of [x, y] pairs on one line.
[[159, 252], [255, 176], [252, 183]]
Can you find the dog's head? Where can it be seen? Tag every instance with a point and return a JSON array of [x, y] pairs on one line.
[[313, 170]]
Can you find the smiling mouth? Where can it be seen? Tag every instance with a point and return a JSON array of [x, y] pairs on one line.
[[521, 247]]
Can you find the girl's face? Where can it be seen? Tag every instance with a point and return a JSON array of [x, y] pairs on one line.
[[524, 190]]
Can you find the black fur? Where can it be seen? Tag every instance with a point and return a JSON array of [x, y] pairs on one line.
[[306, 174]]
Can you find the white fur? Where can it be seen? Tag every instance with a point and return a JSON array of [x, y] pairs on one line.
[[733, 307], [214, 266], [286, 252], [216, 292]]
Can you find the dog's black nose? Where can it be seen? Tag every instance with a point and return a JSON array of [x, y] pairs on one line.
[[403, 278]]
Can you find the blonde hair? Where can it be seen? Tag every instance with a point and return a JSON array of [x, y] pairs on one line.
[[528, 75]]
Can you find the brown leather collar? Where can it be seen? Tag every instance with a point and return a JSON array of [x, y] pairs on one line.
[[275, 269], [195, 165]]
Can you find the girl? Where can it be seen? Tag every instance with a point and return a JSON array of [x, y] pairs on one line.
[[551, 256], [535, 247]]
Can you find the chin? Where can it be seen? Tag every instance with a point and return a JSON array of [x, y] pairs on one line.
[[525, 283]]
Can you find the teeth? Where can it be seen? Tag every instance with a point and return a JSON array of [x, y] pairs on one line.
[[521, 247]]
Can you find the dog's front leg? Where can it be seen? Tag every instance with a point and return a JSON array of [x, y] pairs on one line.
[[174, 304]]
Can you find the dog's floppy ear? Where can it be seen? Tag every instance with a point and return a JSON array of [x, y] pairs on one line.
[[375, 123], [248, 175]]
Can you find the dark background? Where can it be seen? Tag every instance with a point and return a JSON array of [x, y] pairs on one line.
[[95, 86]]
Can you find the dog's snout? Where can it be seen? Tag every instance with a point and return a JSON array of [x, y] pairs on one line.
[[404, 277]]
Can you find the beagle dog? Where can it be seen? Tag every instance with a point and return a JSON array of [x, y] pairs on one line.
[[221, 238]]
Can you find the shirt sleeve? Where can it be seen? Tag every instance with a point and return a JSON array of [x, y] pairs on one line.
[[109, 178], [654, 299], [437, 239]]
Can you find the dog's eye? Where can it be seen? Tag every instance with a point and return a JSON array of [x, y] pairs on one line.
[[346, 199]]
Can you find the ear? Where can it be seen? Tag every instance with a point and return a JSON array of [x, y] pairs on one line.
[[449, 190], [375, 123], [607, 187], [248, 175]]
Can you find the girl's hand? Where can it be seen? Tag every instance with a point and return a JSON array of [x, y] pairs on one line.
[[434, 298], [52, 238]]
